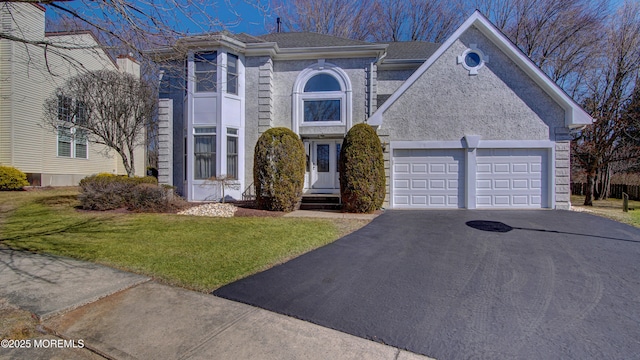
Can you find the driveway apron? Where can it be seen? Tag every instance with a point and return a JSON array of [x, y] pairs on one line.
[[470, 284]]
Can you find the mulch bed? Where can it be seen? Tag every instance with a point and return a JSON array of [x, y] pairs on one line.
[[246, 208]]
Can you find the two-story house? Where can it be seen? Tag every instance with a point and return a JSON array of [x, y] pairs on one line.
[[29, 75], [469, 123]]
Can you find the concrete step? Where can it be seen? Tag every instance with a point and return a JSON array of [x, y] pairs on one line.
[[320, 206], [321, 198]]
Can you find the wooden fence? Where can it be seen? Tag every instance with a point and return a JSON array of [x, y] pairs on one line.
[[615, 190]]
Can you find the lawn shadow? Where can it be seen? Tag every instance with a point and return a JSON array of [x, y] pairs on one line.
[[500, 227]]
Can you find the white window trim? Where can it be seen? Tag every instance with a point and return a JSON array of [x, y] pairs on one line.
[[72, 145], [193, 73], [299, 96], [462, 59], [226, 153]]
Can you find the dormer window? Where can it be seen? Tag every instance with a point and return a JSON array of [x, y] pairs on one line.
[[205, 72]]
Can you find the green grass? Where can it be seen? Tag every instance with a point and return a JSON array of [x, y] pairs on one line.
[[194, 252], [612, 209]]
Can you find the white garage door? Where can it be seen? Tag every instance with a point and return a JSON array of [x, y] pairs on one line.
[[508, 178], [428, 178]]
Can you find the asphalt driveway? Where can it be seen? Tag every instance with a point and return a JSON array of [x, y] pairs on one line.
[[470, 284]]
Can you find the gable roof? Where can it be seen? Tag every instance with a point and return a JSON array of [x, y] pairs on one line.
[[575, 116], [410, 50]]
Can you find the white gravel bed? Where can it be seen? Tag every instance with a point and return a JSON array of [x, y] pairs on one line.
[[211, 209]]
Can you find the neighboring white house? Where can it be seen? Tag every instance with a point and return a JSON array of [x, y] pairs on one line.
[[469, 123], [28, 77]]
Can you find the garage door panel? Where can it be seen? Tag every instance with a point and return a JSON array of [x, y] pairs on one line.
[[401, 168], [435, 178], [418, 184], [418, 169], [401, 199], [521, 184], [437, 184], [521, 168], [437, 168], [501, 168], [483, 168], [516, 178], [401, 184]]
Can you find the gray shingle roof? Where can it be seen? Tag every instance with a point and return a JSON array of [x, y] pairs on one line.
[[308, 39], [409, 50]]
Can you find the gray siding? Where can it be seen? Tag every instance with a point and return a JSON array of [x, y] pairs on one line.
[[500, 103], [286, 72]]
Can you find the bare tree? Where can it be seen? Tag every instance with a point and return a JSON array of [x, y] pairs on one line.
[[414, 20], [108, 107], [610, 92], [343, 18], [135, 25]]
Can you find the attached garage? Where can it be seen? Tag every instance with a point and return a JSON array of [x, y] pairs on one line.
[[496, 177], [512, 178], [430, 178]]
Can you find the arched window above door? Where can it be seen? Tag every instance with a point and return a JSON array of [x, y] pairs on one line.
[[322, 96]]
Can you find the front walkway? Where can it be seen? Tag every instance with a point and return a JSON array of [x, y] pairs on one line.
[[136, 318]]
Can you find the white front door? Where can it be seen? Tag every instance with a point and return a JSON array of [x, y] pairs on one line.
[[324, 165]]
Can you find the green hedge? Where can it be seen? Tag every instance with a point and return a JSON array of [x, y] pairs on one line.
[[278, 170], [12, 178], [362, 178]]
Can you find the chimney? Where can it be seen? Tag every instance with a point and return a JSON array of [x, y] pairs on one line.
[[278, 25], [127, 64]]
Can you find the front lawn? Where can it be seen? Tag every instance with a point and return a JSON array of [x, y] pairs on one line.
[[610, 208], [199, 253]]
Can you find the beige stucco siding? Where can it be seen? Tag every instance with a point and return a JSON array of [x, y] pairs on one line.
[[499, 103]]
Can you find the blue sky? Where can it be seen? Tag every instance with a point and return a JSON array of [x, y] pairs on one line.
[[255, 17]]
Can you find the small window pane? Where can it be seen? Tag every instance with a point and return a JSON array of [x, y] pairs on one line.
[[472, 59], [232, 74], [322, 110], [322, 82], [204, 156], [81, 144], [64, 142], [205, 130], [232, 156], [64, 108], [232, 131], [322, 154], [205, 72], [82, 113], [338, 147]]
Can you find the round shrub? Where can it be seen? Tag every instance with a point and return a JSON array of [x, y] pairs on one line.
[[362, 179], [12, 178], [278, 170]]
